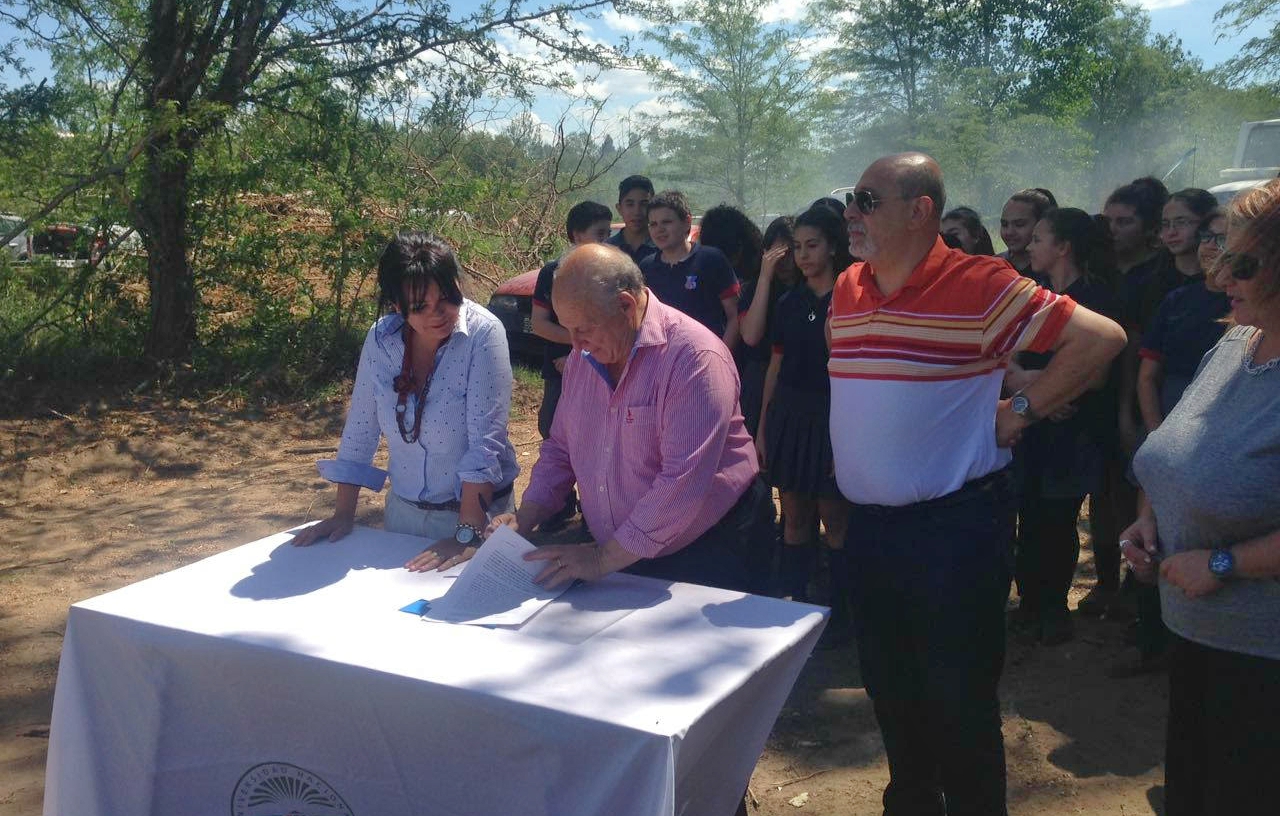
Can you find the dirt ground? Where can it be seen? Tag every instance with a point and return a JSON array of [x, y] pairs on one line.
[[102, 496]]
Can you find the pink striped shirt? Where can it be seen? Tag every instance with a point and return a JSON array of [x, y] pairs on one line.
[[663, 456]]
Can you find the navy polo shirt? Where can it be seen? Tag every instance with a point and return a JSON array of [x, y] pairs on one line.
[[695, 285], [637, 254], [1185, 327], [799, 335], [542, 297]]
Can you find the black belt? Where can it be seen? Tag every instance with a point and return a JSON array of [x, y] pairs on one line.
[[455, 505], [969, 491]]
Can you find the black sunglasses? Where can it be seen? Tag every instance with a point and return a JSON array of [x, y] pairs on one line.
[[864, 200], [1244, 267]]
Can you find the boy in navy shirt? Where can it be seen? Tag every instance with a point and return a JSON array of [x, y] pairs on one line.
[[634, 193], [587, 223], [698, 280]]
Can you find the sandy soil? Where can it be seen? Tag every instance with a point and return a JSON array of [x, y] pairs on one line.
[[106, 495]]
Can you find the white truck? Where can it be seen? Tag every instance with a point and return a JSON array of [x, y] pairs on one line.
[[1257, 160]]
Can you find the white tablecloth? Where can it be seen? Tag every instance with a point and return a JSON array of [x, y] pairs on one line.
[[270, 679]]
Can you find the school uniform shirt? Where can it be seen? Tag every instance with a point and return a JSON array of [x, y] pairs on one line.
[[696, 285], [799, 334], [1187, 324], [542, 297], [637, 253]]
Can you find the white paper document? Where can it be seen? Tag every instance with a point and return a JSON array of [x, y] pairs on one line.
[[496, 587]]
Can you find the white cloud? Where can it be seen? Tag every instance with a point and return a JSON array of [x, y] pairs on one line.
[[623, 23], [784, 11]]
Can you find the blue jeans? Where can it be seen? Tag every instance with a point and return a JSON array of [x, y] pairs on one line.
[[929, 585]]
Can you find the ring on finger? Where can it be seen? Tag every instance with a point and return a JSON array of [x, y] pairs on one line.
[[559, 564]]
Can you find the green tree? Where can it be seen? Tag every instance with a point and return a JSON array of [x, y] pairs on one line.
[[1259, 58], [181, 70], [743, 98]]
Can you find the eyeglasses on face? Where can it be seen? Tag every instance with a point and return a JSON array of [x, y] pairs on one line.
[[865, 201], [1218, 239]]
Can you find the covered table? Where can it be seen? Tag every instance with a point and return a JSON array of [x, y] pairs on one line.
[[270, 679]]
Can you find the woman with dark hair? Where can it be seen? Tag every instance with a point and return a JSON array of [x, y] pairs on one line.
[[1209, 529], [964, 225], [795, 431], [759, 299], [729, 230], [1061, 457], [1017, 221], [434, 380], [1186, 325]]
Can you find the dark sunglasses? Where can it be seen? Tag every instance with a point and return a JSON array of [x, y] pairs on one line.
[[1244, 267], [864, 200], [1218, 239]]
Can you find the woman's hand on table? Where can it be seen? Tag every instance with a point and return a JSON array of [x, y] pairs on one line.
[[440, 556], [1189, 572], [333, 528], [1139, 548]]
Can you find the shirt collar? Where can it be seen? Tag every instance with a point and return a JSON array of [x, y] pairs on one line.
[[653, 332], [925, 271]]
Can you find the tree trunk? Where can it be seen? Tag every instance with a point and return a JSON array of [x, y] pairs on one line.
[[171, 335]]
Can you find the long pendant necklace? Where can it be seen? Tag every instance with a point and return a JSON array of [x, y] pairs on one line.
[[403, 385]]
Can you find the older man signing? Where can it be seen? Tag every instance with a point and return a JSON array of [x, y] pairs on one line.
[[649, 428]]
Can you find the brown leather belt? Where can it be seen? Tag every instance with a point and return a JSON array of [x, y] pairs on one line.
[[455, 505]]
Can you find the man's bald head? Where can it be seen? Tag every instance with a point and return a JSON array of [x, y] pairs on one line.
[[595, 274], [917, 175]]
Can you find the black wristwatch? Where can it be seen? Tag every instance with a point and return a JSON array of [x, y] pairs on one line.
[[1022, 407], [1222, 564], [466, 534]]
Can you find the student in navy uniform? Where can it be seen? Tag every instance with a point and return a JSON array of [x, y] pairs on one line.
[[587, 223], [634, 193], [795, 431], [698, 280], [1187, 324], [1132, 213], [1061, 455]]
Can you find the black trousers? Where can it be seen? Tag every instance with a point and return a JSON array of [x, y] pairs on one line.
[[1224, 732], [1048, 549], [715, 558], [929, 583]]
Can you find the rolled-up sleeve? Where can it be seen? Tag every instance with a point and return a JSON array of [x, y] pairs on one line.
[[695, 422], [361, 434], [489, 384]]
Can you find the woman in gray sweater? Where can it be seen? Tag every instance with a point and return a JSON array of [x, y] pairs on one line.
[[1208, 529]]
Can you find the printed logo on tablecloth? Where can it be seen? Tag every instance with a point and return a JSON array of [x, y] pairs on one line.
[[281, 789]]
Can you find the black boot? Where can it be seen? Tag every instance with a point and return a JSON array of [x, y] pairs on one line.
[[794, 571]]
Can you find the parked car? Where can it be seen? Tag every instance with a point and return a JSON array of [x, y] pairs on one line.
[[65, 242], [19, 246], [512, 303]]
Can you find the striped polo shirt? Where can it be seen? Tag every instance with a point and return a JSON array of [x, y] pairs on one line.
[[915, 376]]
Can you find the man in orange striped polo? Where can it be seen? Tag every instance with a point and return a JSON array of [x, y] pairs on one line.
[[920, 336]]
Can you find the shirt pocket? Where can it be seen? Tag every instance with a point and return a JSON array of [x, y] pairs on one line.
[[638, 438]]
